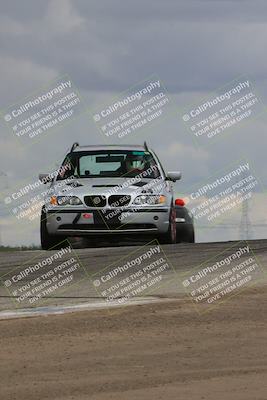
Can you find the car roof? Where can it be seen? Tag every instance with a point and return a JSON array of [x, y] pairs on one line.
[[109, 147]]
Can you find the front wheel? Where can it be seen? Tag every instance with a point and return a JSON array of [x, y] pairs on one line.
[[49, 241], [170, 236]]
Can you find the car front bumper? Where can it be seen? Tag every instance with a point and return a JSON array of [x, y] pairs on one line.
[[84, 222]]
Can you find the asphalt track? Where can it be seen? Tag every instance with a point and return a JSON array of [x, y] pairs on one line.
[[182, 259], [162, 349]]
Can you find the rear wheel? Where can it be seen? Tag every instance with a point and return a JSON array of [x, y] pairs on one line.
[[170, 236], [186, 235], [48, 241], [190, 235]]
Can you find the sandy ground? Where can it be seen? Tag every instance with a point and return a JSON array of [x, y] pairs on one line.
[[158, 351]]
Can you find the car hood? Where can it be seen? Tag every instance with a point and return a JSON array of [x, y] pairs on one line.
[[107, 186]]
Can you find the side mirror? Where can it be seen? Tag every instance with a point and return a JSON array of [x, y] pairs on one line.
[[174, 176], [45, 178]]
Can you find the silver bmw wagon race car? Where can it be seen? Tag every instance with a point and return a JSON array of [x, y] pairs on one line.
[[110, 190]]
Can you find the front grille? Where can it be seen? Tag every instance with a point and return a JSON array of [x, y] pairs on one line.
[[119, 200], [95, 201]]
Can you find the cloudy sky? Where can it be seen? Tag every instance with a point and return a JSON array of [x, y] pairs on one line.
[[108, 46]]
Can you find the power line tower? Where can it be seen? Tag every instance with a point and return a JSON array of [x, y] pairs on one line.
[[3, 186], [245, 227]]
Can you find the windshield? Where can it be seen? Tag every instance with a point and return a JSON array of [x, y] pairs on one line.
[[109, 164]]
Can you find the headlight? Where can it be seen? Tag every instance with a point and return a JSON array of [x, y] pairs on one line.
[[150, 199], [65, 200]]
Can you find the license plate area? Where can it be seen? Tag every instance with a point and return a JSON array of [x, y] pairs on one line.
[[86, 218], [110, 217]]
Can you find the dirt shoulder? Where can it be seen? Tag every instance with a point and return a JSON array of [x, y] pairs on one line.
[[160, 351]]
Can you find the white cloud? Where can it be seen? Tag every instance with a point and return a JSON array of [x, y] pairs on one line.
[[20, 77], [61, 17]]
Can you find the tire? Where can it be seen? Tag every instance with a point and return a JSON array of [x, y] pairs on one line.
[[190, 236], [170, 236], [187, 235], [50, 241]]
